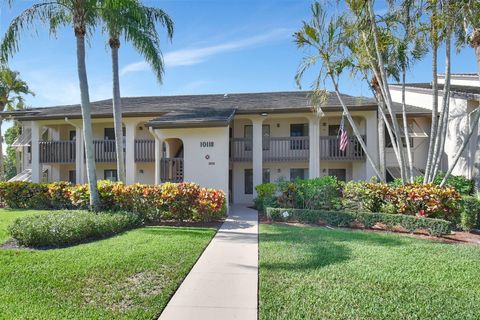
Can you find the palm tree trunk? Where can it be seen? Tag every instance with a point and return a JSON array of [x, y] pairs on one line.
[[405, 129], [444, 117], [87, 122], [354, 126], [382, 79], [433, 128], [476, 118], [381, 147], [117, 111]]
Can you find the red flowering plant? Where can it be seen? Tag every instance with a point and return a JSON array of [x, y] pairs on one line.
[[178, 200], [210, 205], [426, 200]]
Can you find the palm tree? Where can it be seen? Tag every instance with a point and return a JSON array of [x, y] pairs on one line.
[[327, 39], [81, 15], [12, 89], [137, 24]]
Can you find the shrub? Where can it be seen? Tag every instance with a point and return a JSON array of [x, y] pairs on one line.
[[178, 199], [210, 205], [59, 193], [470, 213], [21, 195], [435, 227], [318, 193], [461, 184], [366, 196], [265, 195], [151, 203], [426, 201], [68, 227]]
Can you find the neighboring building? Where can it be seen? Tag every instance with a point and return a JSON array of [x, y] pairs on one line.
[[465, 97], [232, 142]]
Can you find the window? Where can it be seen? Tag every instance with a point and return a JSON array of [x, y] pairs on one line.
[[341, 174], [299, 130], [266, 176], [110, 175], [248, 134], [72, 176], [248, 181], [298, 173], [388, 141]]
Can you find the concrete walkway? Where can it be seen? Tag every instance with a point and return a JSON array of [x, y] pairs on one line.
[[223, 284]]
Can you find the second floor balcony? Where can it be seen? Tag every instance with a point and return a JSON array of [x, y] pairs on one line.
[[105, 151], [296, 149]]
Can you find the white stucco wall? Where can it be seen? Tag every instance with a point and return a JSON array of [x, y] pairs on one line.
[[211, 172]]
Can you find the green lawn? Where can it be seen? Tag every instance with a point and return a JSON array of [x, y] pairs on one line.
[[318, 273], [129, 276]]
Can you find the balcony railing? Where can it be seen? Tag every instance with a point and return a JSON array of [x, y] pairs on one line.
[[330, 149], [144, 150], [171, 169], [105, 150], [295, 149], [285, 149], [57, 151]]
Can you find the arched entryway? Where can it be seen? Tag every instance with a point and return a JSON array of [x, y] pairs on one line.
[[172, 164]]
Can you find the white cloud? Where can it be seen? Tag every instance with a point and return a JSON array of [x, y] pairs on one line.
[[191, 56], [53, 88]]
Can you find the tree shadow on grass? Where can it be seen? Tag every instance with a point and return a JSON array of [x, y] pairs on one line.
[[317, 247], [174, 231]]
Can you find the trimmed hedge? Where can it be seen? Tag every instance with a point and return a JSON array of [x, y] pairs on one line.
[[435, 227], [152, 203], [64, 228], [470, 214]]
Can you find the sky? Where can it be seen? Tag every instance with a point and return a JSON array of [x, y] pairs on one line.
[[219, 46]]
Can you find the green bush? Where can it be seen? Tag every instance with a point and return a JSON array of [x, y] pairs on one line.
[[69, 227], [266, 196], [435, 227], [320, 193], [470, 213], [365, 196]]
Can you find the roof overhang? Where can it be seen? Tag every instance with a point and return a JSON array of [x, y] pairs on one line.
[[197, 118]]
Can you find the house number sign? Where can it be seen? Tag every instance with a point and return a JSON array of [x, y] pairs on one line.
[[206, 144]]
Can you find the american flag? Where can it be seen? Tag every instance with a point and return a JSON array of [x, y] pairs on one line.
[[342, 132]]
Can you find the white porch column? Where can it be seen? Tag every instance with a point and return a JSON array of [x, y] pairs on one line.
[[130, 164], [371, 132], [158, 160], [35, 148], [257, 152], [80, 170], [314, 147]]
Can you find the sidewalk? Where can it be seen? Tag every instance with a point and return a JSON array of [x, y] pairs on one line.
[[223, 284]]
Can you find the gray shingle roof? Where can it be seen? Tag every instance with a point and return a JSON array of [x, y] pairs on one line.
[[242, 103], [202, 117]]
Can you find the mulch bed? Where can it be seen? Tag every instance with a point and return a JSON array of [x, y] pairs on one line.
[[456, 236]]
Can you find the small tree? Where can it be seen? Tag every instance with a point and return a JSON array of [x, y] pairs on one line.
[[12, 92]]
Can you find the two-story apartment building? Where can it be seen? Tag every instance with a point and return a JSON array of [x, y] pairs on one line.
[[232, 142]]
